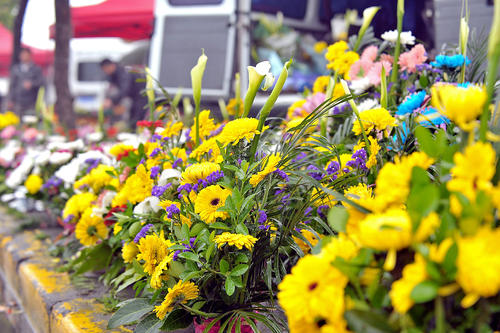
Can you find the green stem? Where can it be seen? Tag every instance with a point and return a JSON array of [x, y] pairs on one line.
[[243, 290], [397, 49], [329, 94], [439, 313], [237, 96], [199, 312], [197, 120], [250, 96]]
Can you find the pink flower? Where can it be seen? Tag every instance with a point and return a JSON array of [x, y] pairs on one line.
[[8, 132], [313, 101], [374, 74], [387, 57], [409, 60], [30, 134], [370, 53], [360, 68]]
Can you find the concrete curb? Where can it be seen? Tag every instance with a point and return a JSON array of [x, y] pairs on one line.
[[41, 299]]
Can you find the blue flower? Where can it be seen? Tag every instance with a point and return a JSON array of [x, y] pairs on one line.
[[453, 61], [431, 117], [143, 232], [412, 102]]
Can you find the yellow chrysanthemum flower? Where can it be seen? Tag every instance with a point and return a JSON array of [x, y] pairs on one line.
[[129, 252], [340, 246], [172, 129], [98, 178], [462, 105], [33, 183], [413, 274], [239, 129], [209, 200], [238, 240], [210, 148], [321, 198], [158, 275], [269, 164], [137, 187], [8, 118], [119, 149], [296, 110], [195, 172], [343, 64], [77, 204], [231, 107], [313, 289], [207, 125], [374, 119], [90, 228], [478, 264], [321, 83], [321, 325], [336, 50], [393, 180], [320, 46], [178, 294], [374, 149], [363, 196], [311, 238], [153, 249]]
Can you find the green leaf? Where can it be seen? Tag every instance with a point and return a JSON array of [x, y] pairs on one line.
[[219, 225], [433, 271], [189, 256], [426, 142], [150, 324], [130, 312], [230, 286], [367, 322], [223, 266], [196, 229], [241, 257], [337, 218], [242, 229], [239, 270], [177, 319], [97, 258], [449, 261], [424, 292]]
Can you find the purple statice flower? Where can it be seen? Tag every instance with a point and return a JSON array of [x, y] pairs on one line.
[[195, 187], [68, 218], [186, 187], [412, 89], [279, 191], [176, 255], [187, 135], [239, 161], [156, 137], [307, 211], [142, 161], [158, 190], [358, 161], [171, 210], [300, 156], [214, 177], [318, 175], [285, 198], [142, 233], [155, 152], [218, 130], [155, 171], [320, 211], [177, 162], [93, 163], [404, 76], [282, 174], [333, 169], [52, 182], [262, 220], [340, 108]]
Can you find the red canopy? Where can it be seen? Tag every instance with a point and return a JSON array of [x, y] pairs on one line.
[[43, 58], [128, 19]]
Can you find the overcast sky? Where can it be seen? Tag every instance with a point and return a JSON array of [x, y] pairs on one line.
[[39, 16]]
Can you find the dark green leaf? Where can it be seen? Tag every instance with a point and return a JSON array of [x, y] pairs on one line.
[[130, 312], [189, 256], [177, 319], [367, 322], [150, 324], [223, 266], [230, 286], [424, 292]]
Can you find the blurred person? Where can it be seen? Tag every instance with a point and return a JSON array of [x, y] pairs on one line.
[[125, 84], [26, 79]]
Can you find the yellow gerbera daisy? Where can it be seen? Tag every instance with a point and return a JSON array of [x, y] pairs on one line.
[[207, 124], [172, 129], [178, 294], [209, 200], [270, 165], [158, 277], [374, 119], [77, 204], [137, 187], [231, 107], [237, 240], [210, 148], [195, 172], [90, 228]]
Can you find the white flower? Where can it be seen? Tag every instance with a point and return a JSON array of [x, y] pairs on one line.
[[8, 153], [392, 35], [43, 157], [368, 104], [20, 173], [258, 73], [106, 200], [95, 137], [29, 119], [68, 172], [72, 145], [150, 204], [58, 158], [167, 174], [360, 85]]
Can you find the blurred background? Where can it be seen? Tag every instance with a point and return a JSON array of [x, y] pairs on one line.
[[167, 36]]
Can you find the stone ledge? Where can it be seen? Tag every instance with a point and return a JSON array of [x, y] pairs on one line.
[[42, 299]]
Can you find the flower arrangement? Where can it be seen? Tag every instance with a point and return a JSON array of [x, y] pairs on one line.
[[374, 212]]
